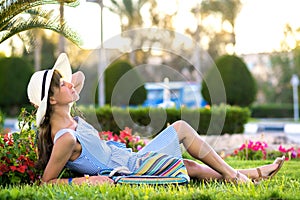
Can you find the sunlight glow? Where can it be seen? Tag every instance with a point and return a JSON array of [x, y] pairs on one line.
[[259, 26]]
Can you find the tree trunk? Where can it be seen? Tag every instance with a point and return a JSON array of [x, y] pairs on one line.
[[61, 44]]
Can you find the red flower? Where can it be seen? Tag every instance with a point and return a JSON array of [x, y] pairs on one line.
[[22, 169], [4, 168], [126, 134], [13, 168], [106, 135], [30, 163], [6, 159], [8, 139], [236, 151], [21, 157], [31, 174]]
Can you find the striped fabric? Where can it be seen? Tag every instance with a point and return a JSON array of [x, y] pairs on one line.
[[154, 169], [149, 180], [153, 163]]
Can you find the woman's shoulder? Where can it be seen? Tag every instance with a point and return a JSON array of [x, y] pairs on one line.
[[63, 131]]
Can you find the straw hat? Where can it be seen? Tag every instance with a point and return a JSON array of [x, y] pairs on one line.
[[39, 84]]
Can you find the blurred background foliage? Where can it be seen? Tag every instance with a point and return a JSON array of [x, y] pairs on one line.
[[39, 47]]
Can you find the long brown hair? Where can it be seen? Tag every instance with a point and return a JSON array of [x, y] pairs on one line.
[[44, 142]]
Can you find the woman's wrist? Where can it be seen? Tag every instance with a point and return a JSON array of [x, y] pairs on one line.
[[78, 180], [70, 180]]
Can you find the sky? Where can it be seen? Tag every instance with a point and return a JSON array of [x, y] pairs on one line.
[[259, 25]]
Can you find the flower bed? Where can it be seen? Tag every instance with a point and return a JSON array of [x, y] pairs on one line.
[[259, 151], [125, 136]]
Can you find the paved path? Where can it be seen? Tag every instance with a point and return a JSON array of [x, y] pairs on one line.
[[286, 128]]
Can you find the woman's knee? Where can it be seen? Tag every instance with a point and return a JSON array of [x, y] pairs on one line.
[[192, 167], [178, 125]]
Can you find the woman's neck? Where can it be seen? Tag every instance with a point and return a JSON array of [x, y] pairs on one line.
[[61, 118]]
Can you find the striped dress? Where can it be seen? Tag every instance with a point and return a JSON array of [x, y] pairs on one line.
[[160, 157]]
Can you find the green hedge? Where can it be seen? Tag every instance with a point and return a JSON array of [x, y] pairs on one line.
[[272, 111], [144, 120]]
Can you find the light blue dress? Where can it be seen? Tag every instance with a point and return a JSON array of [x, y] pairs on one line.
[[98, 154]]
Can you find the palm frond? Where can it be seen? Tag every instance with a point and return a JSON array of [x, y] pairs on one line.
[[116, 8], [20, 24], [10, 9], [128, 7]]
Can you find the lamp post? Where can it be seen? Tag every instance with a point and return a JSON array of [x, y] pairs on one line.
[[295, 83], [102, 59]]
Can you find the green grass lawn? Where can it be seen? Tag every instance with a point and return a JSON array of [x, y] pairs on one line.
[[285, 185]]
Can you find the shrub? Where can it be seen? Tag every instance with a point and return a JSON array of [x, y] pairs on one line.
[[240, 86], [150, 121], [14, 76], [130, 88], [18, 154], [272, 111]]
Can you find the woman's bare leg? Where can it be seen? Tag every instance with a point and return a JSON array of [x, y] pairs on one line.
[[204, 172], [216, 167], [202, 151]]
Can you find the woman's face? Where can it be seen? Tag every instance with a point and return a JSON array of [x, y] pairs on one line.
[[66, 93]]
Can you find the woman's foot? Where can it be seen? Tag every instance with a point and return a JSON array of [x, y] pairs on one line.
[[239, 178], [268, 171]]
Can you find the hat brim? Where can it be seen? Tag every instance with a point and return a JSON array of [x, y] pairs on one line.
[[62, 65]]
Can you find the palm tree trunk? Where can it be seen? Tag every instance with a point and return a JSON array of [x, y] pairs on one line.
[[38, 50], [61, 44]]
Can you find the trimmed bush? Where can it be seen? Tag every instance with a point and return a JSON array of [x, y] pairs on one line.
[[150, 121], [272, 111], [240, 86], [123, 85]]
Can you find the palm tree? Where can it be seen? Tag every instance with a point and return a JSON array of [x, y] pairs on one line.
[[227, 10], [61, 21], [130, 17], [17, 16], [128, 11]]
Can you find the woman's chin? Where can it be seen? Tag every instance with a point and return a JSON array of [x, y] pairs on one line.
[[76, 98]]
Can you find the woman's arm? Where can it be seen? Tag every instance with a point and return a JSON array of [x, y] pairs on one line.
[[61, 153], [92, 180], [78, 81]]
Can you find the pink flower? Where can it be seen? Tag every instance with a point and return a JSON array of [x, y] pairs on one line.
[[242, 147], [126, 134], [282, 149], [139, 147]]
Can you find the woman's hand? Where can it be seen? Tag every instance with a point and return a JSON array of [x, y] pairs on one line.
[[96, 180], [78, 81]]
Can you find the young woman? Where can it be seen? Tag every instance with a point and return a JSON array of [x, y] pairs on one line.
[[70, 141]]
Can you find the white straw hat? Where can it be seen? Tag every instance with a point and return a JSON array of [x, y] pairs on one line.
[[38, 86]]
